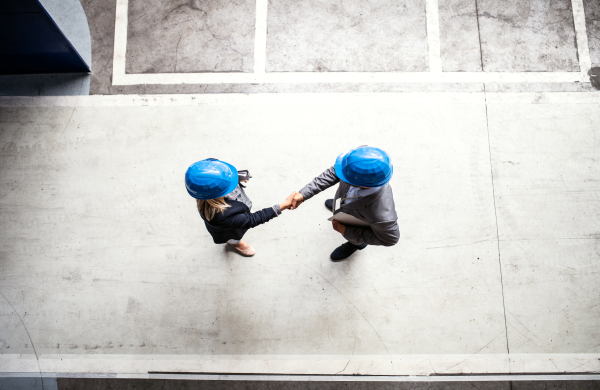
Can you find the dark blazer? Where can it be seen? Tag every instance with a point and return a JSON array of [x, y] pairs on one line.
[[233, 223], [378, 209]]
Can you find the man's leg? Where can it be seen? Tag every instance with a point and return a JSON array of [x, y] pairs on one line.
[[344, 251]]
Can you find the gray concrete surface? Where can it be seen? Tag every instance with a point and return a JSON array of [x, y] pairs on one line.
[[322, 36], [546, 183], [527, 35], [101, 21], [592, 22], [260, 315], [459, 36], [37, 383], [105, 258], [183, 36], [541, 38]]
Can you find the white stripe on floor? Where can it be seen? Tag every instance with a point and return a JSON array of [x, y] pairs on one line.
[[349, 77], [315, 378], [260, 37], [298, 98], [120, 49], [368, 365], [433, 35], [583, 50]]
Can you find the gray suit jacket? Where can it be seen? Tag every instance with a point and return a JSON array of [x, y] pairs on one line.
[[377, 209]]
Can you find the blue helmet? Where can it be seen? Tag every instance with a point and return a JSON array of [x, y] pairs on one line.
[[210, 179], [364, 166]]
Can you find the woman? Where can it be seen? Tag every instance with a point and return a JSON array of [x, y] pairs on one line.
[[223, 204]]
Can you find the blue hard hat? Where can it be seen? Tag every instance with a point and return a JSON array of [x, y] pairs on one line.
[[364, 166], [210, 179]]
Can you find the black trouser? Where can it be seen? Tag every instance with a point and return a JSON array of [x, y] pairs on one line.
[[361, 246]]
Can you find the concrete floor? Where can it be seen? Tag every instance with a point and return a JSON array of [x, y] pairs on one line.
[[105, 257], [105, 266], [316, 37]]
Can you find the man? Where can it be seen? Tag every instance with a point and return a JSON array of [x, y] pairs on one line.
[[364, 192]]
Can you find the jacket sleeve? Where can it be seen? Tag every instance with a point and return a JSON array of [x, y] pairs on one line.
[[320, 183], [380, 233], [249, 220]]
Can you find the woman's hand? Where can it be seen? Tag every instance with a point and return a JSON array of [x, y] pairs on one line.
[[288, 202]]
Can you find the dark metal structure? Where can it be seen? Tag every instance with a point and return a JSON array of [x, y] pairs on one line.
[[32, 43]]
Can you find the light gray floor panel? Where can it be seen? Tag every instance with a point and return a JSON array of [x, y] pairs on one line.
[[105, 263], [527, 35], [459, 36], [592, 24], [105, 251], [322, 36], [179, 36], [546, 183]]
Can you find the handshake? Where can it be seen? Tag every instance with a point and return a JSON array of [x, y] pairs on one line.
[[292, 202]]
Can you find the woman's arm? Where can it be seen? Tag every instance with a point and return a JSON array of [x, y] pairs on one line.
[[249, 220]]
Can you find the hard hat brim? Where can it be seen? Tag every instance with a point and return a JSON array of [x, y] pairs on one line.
[[340, 174]]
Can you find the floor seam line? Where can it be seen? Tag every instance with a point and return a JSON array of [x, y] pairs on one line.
[[487, 123], [480, 51]]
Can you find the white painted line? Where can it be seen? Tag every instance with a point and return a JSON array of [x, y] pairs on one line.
[[583, 50], [367, 378], [270, 99], [260, 37], [120, 49], [348, 77], [433, 35], [339, 98], [315, 378], [367, 365]]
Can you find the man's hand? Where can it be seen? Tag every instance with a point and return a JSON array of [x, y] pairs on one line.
[[287, 204], [297, 201], [338, 227]]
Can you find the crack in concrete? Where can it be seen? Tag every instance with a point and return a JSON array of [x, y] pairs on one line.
[[37, 359], [359, 312], [496, 216]]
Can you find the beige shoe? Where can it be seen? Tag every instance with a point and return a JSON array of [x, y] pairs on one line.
[[248, 252]]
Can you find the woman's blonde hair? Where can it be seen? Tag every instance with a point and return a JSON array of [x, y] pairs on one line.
[[208, 207]]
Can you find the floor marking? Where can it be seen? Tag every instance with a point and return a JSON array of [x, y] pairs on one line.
[[317, 378], [432, 14], [348, 77], [260, 37], [120, 49], [583, 50], [442, 365], [331, 99], [260, 76]]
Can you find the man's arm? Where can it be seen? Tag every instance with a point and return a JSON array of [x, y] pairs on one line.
[[381, 233], [320, 183]]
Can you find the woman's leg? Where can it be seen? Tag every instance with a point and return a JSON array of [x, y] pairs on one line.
[[242, 247]]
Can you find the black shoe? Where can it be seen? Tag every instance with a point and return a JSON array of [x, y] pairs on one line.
[[344, 251], [329, 204]]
